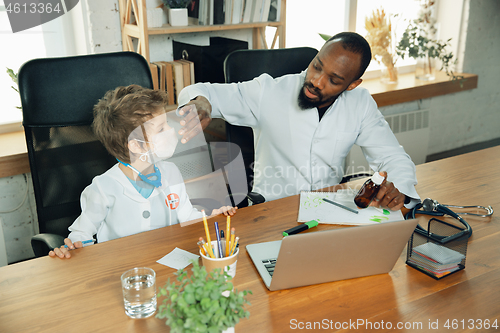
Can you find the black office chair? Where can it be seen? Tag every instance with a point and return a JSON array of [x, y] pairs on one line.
[[245, 65], [58, 95]]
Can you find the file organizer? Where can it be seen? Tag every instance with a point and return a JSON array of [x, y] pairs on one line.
[[439, 251]]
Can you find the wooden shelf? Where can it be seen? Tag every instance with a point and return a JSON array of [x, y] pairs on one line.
[[138, 28], [409, 89]]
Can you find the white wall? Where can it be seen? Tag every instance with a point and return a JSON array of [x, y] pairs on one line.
[[456, 120]]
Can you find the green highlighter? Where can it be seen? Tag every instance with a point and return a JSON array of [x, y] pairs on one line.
[[300, 228]]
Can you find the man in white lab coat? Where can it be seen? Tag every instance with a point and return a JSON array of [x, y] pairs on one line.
[[305, 124]]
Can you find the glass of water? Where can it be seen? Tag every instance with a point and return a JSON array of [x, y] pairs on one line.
[[139, 292]]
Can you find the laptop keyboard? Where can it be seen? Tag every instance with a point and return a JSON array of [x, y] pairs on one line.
[[269, 264]]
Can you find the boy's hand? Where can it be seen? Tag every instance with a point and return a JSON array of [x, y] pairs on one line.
[[197, 116], [63, 251], [226, 210]]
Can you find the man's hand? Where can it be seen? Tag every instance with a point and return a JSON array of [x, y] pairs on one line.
[[197, 116], [388, 195]]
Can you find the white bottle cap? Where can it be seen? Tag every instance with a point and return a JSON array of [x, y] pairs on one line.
[[377, 178]]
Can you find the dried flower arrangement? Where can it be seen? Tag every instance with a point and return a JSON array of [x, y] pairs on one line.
[[380, 38]]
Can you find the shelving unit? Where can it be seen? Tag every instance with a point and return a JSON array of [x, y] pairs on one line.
[[139, 30]]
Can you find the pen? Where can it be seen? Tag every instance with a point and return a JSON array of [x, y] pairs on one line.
[[209, 242], [223, 243], [228, 232], [84, 243], [217, 234], [341, 206], [300, 228]]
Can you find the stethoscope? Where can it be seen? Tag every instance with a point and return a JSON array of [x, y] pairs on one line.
[[434, 208]]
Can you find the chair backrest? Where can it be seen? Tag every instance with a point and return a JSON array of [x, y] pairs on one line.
[[57, 96], [244, 65]]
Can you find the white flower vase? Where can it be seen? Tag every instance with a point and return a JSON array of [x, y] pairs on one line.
[[177, 16], [229, 330], [425, 69]]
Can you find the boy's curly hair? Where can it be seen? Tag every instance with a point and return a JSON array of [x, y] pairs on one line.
[[121, 111]]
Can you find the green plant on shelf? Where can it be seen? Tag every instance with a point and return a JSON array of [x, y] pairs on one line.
[[176, 3]]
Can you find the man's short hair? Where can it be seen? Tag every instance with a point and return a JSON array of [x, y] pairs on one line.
[[355, 43], [121, 111]]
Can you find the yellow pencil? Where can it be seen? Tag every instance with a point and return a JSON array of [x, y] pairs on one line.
[[207, 232], [228, 228], [202, 249], [233, 250], [205, 247]]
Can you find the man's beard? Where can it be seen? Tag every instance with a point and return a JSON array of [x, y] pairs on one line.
[[305, 103]]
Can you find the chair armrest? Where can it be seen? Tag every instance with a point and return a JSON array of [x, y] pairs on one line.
[[256, 198], [43, 243]]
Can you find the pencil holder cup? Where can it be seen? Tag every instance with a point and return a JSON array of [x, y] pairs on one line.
[[226, 263], [439, 251]]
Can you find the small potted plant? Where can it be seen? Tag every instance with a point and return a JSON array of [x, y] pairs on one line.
[[177, 12], [201, 301], [419, 42]]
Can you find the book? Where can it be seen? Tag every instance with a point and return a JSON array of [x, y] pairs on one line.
[[237, 11], [266, 6], [257, 10], [154, 75], [202, 13], [312, 207], [161, 74], [247, 11], [274, 11], [178, 74], [169, 81], [228, 11], [219, 12], [186, 70]]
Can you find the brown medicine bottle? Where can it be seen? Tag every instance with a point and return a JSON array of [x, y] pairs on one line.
[[368, 191]]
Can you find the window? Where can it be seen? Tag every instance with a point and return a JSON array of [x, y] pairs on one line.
[[19, 47], [305, 20], [52, 39]]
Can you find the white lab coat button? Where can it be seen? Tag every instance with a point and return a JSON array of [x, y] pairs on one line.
[[146, 214]]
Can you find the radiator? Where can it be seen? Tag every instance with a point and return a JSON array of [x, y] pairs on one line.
[[412, 131]]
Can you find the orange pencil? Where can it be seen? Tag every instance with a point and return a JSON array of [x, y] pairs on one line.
[[232, 240], [200, 245]]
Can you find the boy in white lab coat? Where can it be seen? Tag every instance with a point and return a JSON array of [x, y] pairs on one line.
[[142, 191]]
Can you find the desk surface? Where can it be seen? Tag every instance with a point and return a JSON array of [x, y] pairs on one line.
[[84, 293]]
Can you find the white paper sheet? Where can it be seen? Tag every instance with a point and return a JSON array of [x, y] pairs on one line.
[[312, 207], [178, 258]]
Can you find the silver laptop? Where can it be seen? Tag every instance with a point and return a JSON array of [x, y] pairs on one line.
[[332, 255]]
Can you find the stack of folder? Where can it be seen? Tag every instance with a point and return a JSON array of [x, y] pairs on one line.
[[436, 259]]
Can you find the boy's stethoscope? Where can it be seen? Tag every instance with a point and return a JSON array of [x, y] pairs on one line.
[[434, 208]]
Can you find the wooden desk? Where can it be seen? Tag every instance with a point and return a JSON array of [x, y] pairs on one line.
[[84, 293]]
